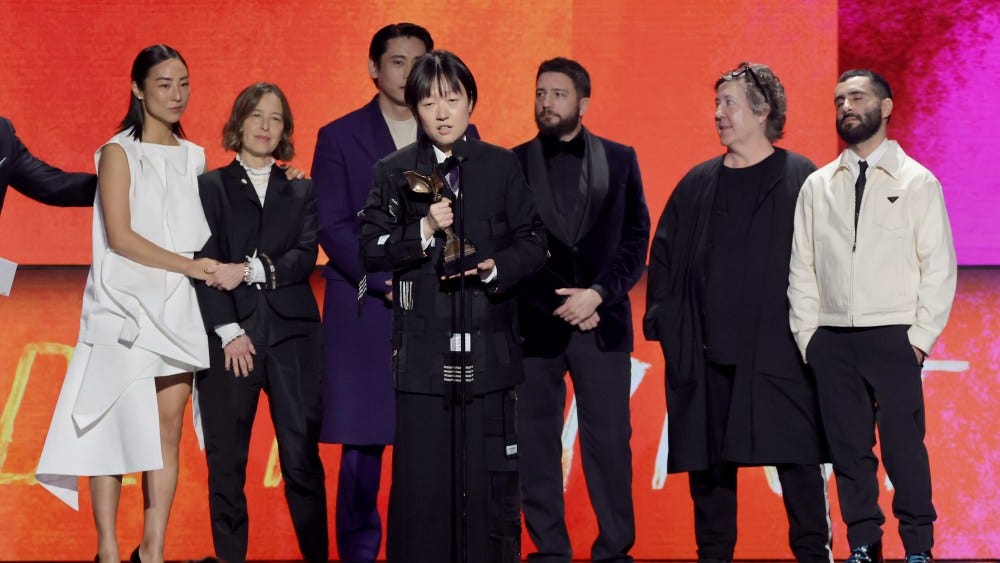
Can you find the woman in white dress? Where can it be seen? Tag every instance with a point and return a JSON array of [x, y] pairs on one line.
[[141, 336]]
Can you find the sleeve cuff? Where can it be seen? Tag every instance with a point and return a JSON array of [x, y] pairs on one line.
[[921, 338], [492, 276], [228, 332], [802, 339], [257, 271], [600, 291], [425, 243]]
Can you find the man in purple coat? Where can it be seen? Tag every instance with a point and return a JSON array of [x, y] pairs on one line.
[[359, 406]]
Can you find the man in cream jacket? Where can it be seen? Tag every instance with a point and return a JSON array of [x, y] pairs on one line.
[[872, 280]]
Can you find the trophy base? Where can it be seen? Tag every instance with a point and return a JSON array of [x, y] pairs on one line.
[[458, 264]]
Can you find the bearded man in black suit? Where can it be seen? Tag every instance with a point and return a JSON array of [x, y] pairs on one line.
[[575, 315]]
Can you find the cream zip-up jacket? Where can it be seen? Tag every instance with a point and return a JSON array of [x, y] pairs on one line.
[[899, 270]]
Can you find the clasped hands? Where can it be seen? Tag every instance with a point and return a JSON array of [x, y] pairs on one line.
[[580, 307], [225, 277]]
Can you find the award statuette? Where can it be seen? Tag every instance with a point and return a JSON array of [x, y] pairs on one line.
[[454, 261]]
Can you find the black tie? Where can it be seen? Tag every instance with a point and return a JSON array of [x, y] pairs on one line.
[[859, 192]]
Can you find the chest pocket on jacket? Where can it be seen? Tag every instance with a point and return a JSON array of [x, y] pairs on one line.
[[889, 209]]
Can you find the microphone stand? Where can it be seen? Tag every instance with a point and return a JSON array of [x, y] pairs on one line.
[[463, 384], [460, 392]]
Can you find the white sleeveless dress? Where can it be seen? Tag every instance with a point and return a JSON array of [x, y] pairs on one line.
[[138, 323]]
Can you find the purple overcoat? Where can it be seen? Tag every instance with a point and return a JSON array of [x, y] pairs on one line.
[[358, 399]]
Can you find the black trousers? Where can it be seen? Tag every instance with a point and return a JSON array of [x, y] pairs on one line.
[[426, 523], [291, 374], [870, 377], [713, 491], [601, 382]]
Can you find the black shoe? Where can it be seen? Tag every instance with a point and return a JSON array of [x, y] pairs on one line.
[[871, 553], [924, 557], [134, 558]]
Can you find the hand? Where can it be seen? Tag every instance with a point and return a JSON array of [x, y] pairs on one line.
[[239, 354], [226, 277], [388, 296], [590, 322], [920, 355], [291, 172], [201, 268], [439, 216], [482, 269], [581, 303]]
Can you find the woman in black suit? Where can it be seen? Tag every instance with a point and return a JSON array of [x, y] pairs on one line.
[[263, 324], [446, 497]]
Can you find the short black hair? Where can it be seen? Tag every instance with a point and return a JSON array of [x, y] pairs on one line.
[[380, 41], [443, 67], [572, 69], [135, 117], [879, 83]]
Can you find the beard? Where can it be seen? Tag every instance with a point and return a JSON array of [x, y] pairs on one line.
[[868, 124], [561, 127]]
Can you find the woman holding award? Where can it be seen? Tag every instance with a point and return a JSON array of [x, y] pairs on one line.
[[456, 354]]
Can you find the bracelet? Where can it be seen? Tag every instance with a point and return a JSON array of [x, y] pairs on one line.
[[269, 270], [247, 273]]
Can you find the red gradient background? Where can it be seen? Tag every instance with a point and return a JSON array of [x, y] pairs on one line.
[[64, 69]]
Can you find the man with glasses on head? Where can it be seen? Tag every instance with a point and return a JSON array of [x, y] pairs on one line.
[[873, 276], [737, 392]]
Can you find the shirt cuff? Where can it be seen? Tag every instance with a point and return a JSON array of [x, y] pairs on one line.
[[492, 276], [257, 271], [228, 332], [425, 243]]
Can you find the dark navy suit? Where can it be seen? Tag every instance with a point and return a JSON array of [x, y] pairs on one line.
[[37, 180]]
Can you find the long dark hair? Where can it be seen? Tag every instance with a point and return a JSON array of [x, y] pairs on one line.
[[145, 60]]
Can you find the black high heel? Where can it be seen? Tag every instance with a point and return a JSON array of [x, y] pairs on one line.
[[134, 558]]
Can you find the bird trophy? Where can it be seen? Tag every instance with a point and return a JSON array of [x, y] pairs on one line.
[[458, 255]]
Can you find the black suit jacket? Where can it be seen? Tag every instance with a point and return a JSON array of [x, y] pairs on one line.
[[37, 180], [500, 221], [608, 249], [283, 231]]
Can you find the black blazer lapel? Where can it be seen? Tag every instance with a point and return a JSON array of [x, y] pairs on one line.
[[538, 179], [275, 215], [596, 180], [238, 182]]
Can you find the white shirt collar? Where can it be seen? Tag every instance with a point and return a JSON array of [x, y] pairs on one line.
[[873, 159]]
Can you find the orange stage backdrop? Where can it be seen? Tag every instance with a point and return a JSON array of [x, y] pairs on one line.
[[64, 72]]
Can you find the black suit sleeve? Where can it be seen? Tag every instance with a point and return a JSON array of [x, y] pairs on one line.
[[296, 264], [217, 307], [42, 182], [528, 250], [630, 258], [389, 237]]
